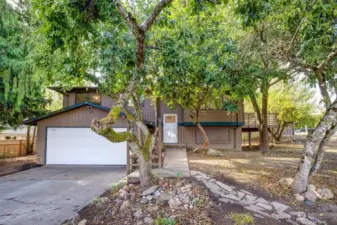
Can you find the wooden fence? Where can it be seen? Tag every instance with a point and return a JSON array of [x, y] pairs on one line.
[[14, 148]]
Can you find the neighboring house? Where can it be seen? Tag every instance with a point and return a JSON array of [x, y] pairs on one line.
[[64, 136], [15, 134]]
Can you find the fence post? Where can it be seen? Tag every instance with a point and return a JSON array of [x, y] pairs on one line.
[[20, 147]]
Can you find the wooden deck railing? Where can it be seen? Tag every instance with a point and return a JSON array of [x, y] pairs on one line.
[[251, 121]]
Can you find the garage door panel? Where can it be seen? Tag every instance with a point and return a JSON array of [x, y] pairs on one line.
[[83, 146]]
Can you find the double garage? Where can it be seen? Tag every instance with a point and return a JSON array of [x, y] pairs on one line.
[[65, 138]]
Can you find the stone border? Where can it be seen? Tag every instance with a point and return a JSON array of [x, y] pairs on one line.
[[262, 207]]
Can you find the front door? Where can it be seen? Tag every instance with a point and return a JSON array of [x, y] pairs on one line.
[[170, 128]]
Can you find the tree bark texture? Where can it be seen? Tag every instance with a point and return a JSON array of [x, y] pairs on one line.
[[142, 147], [321, 150], [203, 133], [302, 176], [264, 146], [28, 141], [262, 121], [33, 140], [278, 134]]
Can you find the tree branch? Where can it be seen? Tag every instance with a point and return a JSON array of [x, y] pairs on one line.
[[256, 108], [294, 36], [155, 12], [128, 17], [331, 56]]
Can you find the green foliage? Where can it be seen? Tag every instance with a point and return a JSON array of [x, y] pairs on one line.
[[164, 221], [194, 52], [21, 93], [242, 219], [293, 103]]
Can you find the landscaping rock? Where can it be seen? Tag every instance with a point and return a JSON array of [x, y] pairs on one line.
[[143, 201], [150, 190], [304, 221], [83, 222], [138, 213], [240, 194], [148, 220], [124, 194], [165, 196], [312, 195], [299, 197], [311, 187], [214, 152], [211, 185], [265, 206], [279, 207], [262, 200], [224, 186], [286, 181], [174, 203], [250, 197], [133, 196], [281, 216], [103, 200], [326, 193], [125, 205]]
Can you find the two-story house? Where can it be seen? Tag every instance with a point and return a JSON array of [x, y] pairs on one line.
[[65, 137]]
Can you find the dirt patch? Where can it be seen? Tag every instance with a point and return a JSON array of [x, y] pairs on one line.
[[13, 165], [260, 175], [264, 172]]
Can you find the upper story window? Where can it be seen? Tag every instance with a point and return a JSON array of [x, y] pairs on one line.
[[88, 97]]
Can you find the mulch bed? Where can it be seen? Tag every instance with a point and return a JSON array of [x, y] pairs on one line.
[[205, 211]]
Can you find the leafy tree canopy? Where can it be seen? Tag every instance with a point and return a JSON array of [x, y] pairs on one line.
[[21, 93]]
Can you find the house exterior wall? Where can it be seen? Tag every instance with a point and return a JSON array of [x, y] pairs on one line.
[[191, 138], [69, 99], [148, 110], [164, 109], [222, 136], [80, 117]]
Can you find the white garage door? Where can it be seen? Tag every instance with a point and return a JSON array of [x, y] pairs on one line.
[[82, 146]]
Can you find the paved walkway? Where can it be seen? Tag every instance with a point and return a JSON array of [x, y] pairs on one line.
[[50, 195], [175, 165], [230, 194]]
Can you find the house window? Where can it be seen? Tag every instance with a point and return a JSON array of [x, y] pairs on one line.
[[88, 97]]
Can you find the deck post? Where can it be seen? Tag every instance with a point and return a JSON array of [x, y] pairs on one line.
[[128, 159], [250, 139]]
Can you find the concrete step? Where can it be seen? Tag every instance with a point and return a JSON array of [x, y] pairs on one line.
[[174, 145]]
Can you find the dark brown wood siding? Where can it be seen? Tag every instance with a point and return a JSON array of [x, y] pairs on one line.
[[148, 110], [190, 137]]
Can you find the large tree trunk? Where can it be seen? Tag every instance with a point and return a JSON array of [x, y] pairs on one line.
[[203, 133], [145, 172], [28, 141], [264, 146], [321, 151], [278, 134], [329, 120], [103, 126], [33, 141]]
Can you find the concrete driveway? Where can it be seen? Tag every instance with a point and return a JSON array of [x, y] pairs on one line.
[[50, 195]]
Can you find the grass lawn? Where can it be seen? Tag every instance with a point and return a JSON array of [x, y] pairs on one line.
[[264, 172]]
